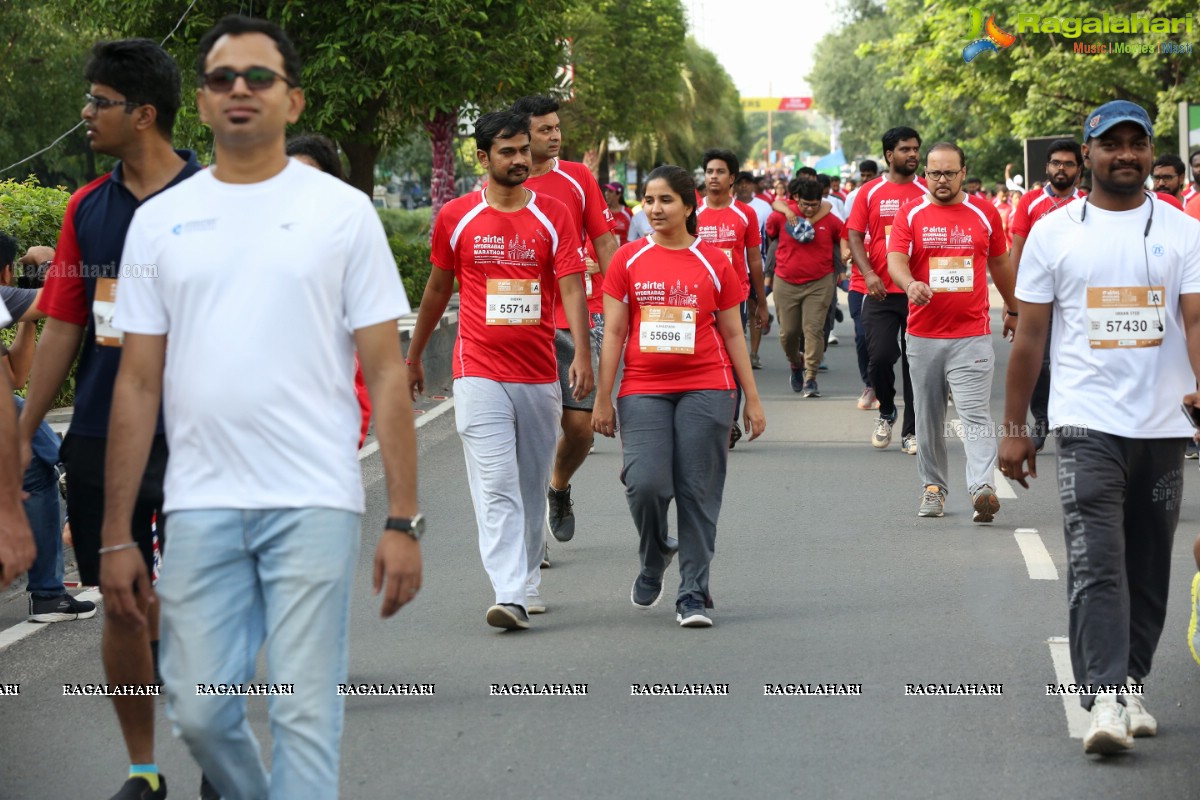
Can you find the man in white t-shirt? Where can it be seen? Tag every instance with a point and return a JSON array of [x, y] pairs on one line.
[[264, 274], [1119, 272]]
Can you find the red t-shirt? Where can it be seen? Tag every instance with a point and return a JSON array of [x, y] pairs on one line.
[[1192, 209], [1033, 206], [574, 185], [480, 244], [807, 262], [595, 283], [874, 209], [700, 281], [941, 239], [1188, 194], [731, 230]]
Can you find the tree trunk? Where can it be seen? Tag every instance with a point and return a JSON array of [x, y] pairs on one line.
[[602, 164], [362, 157], [441, 131]]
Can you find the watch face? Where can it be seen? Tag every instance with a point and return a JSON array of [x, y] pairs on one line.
[[418, 525]]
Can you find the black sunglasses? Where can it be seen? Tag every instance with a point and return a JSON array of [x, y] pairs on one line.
[[258, 79], [101, 103]]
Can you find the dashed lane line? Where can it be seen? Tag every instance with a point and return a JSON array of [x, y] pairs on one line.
[[1037, 557], [424, 419], [1077, 719]]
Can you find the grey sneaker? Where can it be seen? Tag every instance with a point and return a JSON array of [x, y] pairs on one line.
[[534, 604], [561, 517], [810, 389], [689, 613], [63, 608], [933, 501], [646, 592], [1109, 728], [755, 361], [908, 445], [1141, 722], [882, 435], [508, 616], [986, 505]]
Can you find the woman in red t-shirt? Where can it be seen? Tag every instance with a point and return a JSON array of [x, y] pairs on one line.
[[672, 304]]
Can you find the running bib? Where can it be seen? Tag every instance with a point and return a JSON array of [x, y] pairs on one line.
[[514, 302], [668, 329], [102, 311], [587, 284], [952, 274], [1124, 316]]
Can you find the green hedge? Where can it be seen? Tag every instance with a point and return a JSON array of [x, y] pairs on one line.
[[413, 224], [32, 214]]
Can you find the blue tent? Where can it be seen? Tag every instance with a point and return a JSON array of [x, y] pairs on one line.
[[831, 164]]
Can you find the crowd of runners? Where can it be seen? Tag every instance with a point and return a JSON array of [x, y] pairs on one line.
[[566, 297]]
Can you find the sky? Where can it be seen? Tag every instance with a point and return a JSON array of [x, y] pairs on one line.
[[741, 32]]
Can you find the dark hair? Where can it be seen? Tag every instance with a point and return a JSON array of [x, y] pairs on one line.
[[806, 172], [804, 189], [320, 149], [499, 125], [746, 176], [679, 180], [8, 247], [869, 165], [1193, 155], [825, 181], [535, 105], [895, 136], [1170, 160], [237, 25], [143, 72], [1066, 146], [731, 161], [962, 157], [973, 179]]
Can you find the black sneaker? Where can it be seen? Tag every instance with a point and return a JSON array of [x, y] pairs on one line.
[[207, 790], [561, 517], [735, 433], [646, 592], [63, 608], [797, 379], [689, 613], [139, 789], [509, 616]]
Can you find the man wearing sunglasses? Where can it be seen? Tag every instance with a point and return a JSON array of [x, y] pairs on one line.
[[264, 490], [942, 249], [129, 112], [1064, 166]]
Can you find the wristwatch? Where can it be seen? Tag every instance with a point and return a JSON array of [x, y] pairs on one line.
[[414, 527]]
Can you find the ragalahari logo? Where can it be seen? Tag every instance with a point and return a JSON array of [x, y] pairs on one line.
[[985, 38]]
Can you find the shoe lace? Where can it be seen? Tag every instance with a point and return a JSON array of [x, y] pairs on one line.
[[931, 496], [882, 427]]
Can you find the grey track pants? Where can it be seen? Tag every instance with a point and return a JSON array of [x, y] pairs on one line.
[[967, 366], [676, 446], [1120, 499]]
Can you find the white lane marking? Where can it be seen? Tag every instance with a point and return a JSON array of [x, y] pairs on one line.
[[1037, 557], [23, 629], [1003, 487], [1078, 720], [424, 419]]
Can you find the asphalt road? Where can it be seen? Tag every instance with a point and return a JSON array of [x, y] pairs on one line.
[[824, 574]]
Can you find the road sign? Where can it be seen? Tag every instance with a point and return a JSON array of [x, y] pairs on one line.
[[777, 103]]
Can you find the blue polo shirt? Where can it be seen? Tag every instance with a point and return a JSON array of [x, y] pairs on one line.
[[89, 249]]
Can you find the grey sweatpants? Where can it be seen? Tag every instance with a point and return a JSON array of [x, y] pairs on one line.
[[1120, 499], [509, 431], [676, 446], [967, 366]]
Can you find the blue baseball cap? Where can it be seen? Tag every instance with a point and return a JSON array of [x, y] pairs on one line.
[[1114, 113]]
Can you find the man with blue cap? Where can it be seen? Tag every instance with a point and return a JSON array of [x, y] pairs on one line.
[[1119, 272]]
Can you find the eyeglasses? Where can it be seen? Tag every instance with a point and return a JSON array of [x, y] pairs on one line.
[[101, 103], [1063, 165], [1170, 177], [258, 79], [937, 175]]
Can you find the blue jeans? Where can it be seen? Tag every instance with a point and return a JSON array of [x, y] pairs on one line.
[[44, 512], [235, 578]]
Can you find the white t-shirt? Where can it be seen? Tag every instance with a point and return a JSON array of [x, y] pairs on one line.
[[259, 290], [1125, 391], [763, 210], [639, 226], [839, 208], [5, 318]]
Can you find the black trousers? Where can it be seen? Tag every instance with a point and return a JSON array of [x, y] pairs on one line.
[[1120, 499], [886, 322], [1039, 403]]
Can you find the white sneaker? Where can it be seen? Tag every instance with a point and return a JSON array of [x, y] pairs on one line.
[[1141, 723], [833, 339], [908, 445], [1109, 731], [882, 435]]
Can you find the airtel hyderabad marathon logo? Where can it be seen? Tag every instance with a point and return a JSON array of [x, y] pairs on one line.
[[985, 38]]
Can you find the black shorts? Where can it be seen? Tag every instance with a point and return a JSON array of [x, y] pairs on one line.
[[83, 458]]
